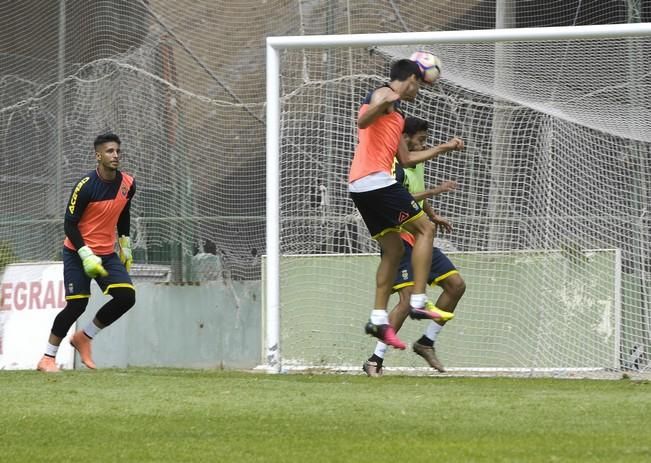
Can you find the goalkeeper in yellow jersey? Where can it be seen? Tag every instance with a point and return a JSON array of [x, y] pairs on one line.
[[99, 206], [442, 272]]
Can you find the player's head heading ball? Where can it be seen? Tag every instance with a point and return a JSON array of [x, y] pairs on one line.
[[406, 78], [106, 138], [403, 69]]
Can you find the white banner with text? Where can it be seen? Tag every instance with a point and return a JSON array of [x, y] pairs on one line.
[[31, 296]]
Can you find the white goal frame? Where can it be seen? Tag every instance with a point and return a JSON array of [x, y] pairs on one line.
[[275, 45]]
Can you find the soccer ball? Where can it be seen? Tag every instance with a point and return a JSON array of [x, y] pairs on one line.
[[429, 64]]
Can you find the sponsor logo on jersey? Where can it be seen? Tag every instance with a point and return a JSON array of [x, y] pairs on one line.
[[75, 193]]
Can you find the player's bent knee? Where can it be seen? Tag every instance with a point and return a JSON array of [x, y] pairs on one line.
[[424, 228], [123, 300], [458, 288], [125, 297], [462, 288]]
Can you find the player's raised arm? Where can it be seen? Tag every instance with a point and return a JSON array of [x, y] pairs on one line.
[[441, 222], [444, 187], [411, 158], [447, 185], [381, 101]]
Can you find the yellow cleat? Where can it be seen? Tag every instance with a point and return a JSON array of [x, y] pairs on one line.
[[430, 312]]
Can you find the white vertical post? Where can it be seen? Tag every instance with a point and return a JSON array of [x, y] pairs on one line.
[[61, 70], [272, 293], [501, 162], [617, 307]]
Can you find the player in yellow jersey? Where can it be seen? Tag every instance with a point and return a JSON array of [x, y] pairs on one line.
[[385, 205], [442, 272]]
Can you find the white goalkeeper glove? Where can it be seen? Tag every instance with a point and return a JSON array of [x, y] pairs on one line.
[[125, 252], [92, 263]]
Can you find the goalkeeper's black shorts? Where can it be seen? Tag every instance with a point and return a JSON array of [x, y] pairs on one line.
[[77, 283]]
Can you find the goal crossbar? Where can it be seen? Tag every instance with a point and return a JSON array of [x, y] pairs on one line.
[[483, 35]]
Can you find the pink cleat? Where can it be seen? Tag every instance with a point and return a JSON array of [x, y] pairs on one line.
[[386, 334], [47, 364], [82, 343]]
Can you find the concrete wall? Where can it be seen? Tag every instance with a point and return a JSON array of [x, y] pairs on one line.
[[214, 325]]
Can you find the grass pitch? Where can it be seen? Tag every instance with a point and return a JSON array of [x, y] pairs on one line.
[[169, 415]]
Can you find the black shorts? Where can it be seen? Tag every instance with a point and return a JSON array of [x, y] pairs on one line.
[[441, 268], [386, 209], [77, 283]]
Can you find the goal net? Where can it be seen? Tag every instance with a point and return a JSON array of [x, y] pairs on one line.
[[551, 224]]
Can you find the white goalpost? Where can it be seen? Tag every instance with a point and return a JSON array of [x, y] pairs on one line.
[[551, 224]]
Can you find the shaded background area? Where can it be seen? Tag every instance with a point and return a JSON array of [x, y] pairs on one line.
[[183, 84]]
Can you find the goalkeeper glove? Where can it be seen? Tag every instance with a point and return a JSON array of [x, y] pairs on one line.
[[92, 263], [125, 252]]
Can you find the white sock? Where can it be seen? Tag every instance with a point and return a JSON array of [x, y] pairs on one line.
[[380, 349], [51, 350], [379, 317], [432, 330], [92, 329], [417, 301]]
